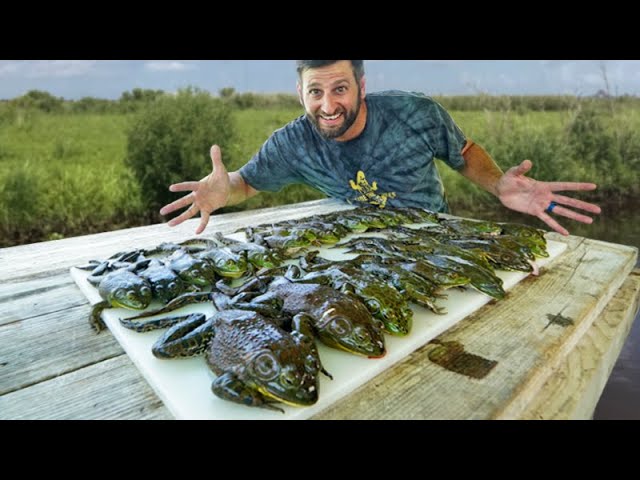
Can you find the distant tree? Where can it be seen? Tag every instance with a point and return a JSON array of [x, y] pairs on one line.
[[227, 92], [137, 98], [40, 100], [93, 105]]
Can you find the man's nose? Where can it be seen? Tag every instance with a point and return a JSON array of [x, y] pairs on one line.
[[328, 105]]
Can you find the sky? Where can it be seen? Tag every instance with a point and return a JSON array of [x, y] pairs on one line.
[[74, 79]]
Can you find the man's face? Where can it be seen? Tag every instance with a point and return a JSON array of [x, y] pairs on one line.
[[332, 99]]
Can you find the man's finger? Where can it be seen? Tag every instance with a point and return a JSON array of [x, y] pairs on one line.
[[218, 168], [180, 203], [553, 224], [203, 222], [578, 217], [575, 203], [184, 186], [523, 168], [560, 186], [184, 216]]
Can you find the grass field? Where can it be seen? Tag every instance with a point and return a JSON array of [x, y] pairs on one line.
[[63, 175]]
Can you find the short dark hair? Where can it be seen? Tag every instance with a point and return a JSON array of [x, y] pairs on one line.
[[357, 65]]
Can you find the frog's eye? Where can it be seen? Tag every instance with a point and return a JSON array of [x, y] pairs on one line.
[[145, 291], [265, 366], [340, 326], [172, 286], [373, 305]]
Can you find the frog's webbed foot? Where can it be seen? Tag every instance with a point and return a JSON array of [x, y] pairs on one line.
[[94, 319], [229, 387]]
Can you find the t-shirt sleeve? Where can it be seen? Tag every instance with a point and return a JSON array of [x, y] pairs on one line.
[[271, 168], [446, 137]]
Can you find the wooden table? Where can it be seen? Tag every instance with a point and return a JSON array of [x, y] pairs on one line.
[[53, 366]]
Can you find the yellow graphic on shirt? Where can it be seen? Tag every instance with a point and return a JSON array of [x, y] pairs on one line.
[[368, 192]]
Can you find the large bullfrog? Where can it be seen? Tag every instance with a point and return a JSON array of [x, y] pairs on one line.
[[339, 320], [257, 363], [382, 299]]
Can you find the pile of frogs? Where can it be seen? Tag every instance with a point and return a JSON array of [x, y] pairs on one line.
[[275, 295]]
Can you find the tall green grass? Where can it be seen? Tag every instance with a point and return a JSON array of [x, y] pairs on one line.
[[64, 174]]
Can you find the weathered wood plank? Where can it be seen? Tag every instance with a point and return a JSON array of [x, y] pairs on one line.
[[572, 392], [112, 389], [59, 255], [50, 345], [32, 297], [515, 332]]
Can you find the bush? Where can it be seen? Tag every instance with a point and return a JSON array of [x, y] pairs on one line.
[[40, 100], [169, 142]]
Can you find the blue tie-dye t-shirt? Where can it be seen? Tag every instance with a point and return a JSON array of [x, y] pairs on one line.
[[391, 163]]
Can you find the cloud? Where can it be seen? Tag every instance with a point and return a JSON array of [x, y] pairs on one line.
[[168, 66], [46, 68]]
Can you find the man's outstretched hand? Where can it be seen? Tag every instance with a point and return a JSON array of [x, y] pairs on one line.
[[526, 195], [207, 195]]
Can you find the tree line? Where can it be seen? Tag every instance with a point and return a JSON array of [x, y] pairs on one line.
[[138, 98]]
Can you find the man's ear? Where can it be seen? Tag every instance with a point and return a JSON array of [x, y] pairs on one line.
[[363, 87], [299, 89]]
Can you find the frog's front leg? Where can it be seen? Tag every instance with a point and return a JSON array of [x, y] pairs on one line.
[[229, 387]]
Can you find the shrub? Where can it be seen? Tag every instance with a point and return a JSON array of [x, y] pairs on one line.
[[169, 142]]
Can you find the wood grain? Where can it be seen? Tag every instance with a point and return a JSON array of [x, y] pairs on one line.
[[575, 387]]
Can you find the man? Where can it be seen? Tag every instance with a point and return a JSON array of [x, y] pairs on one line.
[[376, 149]]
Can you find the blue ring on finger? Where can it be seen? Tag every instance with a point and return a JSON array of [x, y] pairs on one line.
[[551, 206]]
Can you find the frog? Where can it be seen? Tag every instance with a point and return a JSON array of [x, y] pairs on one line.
[[120, 288], [225, 262], [339, 320], [165, 283], [258, 256], [532, 237], [383, 300], [193, 270], [256, 362]]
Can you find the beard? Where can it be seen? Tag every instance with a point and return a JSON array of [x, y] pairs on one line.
[[331, 133]]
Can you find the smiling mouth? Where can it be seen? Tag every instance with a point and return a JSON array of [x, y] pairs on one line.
[[330, 118]]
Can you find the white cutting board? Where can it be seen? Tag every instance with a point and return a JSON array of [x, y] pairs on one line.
[[184, 385]]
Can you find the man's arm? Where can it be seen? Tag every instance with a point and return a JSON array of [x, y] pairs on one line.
[[240, 190], [480, 168], [523, 194]]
